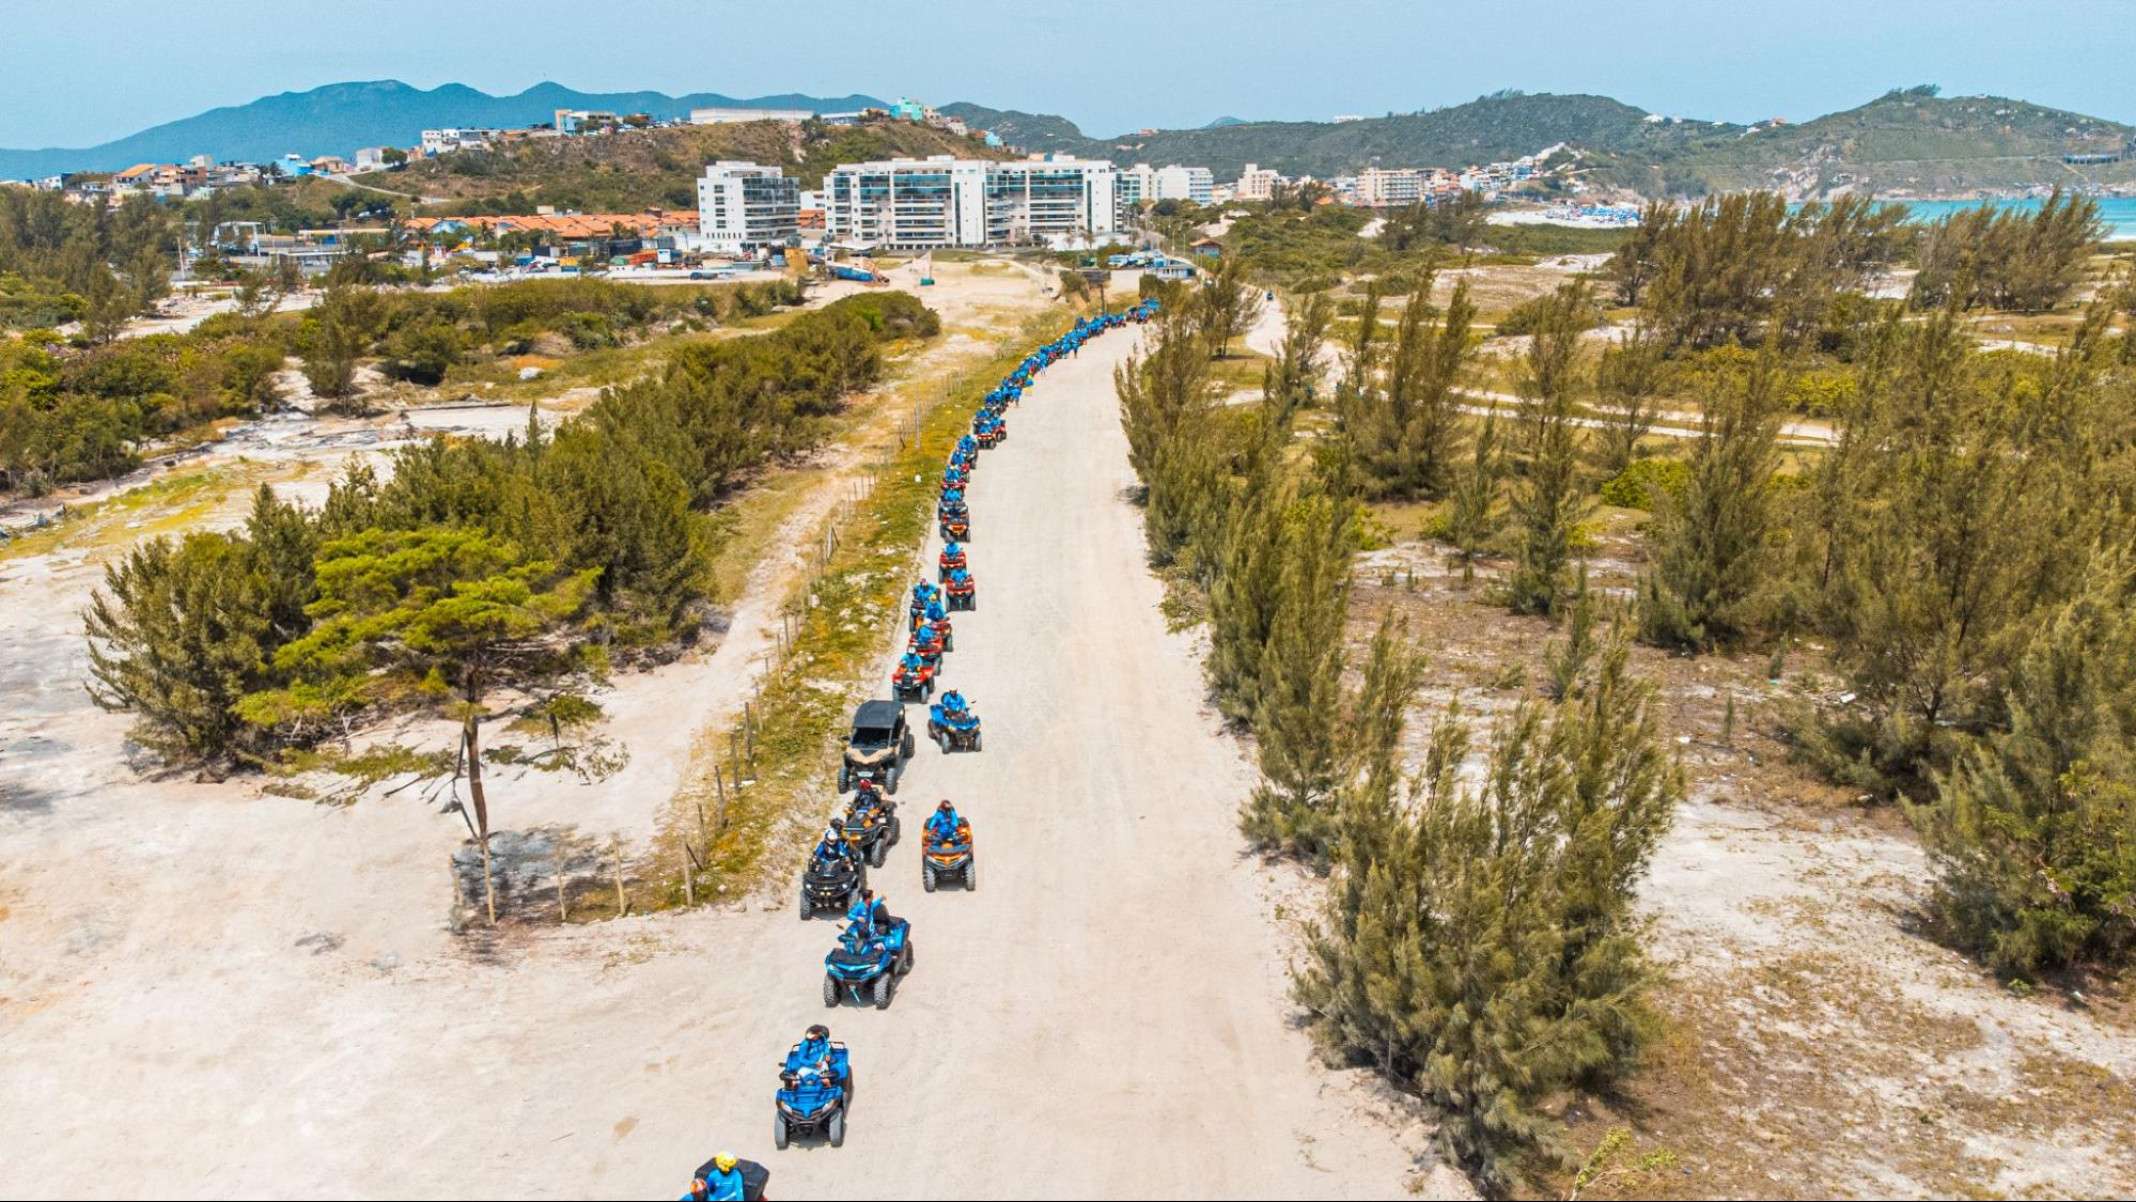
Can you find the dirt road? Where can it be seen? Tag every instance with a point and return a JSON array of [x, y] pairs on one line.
[[1105, 1016]]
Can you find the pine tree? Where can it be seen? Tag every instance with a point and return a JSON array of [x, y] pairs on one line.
[[1627, 382], [1165, 409], [1403, 424], [1712, 575], [452, 613], [1228, 304], [1567, 659], [1548, 501], [1293, 380], [1298, 720], [1472, 517], [1480, 945], [2032, 832], [179, 633], [1960, 503]]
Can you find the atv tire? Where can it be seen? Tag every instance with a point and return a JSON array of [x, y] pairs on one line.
[[834, 1130], [808, 908], [971, 875], [831, 991], [879, 853], [882, 990], [927, 878], [781, 1135]]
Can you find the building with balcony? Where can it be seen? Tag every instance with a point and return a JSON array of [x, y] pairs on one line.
[[1175, 182], [918, 204], [742, 207], [1257, 183], [1379, 188]]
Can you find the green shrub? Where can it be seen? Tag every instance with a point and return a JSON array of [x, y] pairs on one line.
[[1822, 393], [1636, 485]]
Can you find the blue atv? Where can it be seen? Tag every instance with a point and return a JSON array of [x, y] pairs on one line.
[[865, 966], [809, 1103]]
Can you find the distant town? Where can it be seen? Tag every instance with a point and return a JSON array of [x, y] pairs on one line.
[[747, 211]]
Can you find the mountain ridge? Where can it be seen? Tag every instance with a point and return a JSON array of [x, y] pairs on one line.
[[338, 118], [1908, 141]]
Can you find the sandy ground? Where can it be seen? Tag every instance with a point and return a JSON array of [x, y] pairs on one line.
[[258, 995]]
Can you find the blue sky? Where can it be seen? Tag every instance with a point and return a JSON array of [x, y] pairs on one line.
[[84, 71]]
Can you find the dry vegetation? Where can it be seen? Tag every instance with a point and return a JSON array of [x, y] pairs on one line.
[[1817, 1045]]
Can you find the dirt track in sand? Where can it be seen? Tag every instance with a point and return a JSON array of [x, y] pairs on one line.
[[1106, 1016]]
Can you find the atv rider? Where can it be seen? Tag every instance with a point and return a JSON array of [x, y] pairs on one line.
[[722, 1180], [954, 705], [813, 1053], [942, 825], [870, 914], [925, 641], [833, 849], [867, 799], [952, 557]]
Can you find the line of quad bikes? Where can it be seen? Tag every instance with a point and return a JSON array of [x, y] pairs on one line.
[[874, 950]]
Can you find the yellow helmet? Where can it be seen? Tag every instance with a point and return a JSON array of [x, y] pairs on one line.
[[725, 1161]]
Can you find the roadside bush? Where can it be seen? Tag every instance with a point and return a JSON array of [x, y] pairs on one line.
[[2033, 830], [1642, 481], [1822, 393], [422, 353], [587, 331], [1480, 946], [1524, 318], [891, 314]]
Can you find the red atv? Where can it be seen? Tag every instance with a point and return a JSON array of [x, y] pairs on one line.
[[950, 562], [944, 637], [961, 593], [914, 681]]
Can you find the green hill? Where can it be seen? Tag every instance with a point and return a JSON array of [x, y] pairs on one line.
[[1907, 141], [656, 168]]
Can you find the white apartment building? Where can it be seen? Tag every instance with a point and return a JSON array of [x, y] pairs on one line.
[[1379, 188], [1175, 182], [446, 141], [916, 204], [1132, 188], [1256, 183], [735, 116], [742, 207]]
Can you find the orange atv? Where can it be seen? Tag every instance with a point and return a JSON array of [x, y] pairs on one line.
[[950, 857]]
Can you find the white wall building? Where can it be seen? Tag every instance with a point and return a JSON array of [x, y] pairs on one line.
[[1256, 183], [914, 204], [735, 116], [1378, 188], [742, 207], [1175, 182], [446, 141]]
